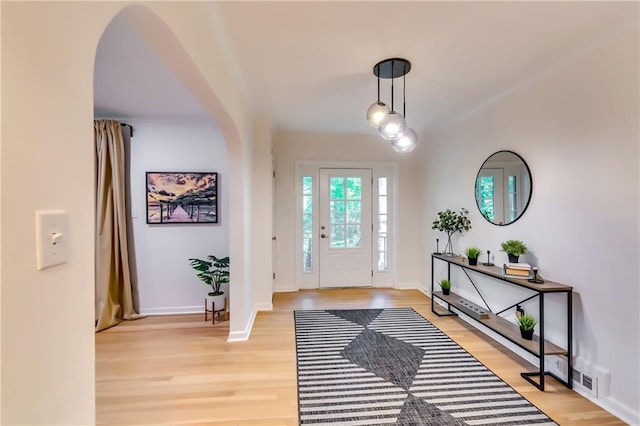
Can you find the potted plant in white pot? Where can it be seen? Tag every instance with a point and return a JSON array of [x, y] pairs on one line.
[[213, 272]]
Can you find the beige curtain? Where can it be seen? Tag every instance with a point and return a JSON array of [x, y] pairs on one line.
[[114, 291]]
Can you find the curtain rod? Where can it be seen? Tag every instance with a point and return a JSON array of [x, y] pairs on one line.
[[130, 128]]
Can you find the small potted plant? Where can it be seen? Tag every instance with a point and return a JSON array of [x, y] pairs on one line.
[[526, 324], [472, 254], [213, 272], [445, 284], [451, 222], [514, 249]]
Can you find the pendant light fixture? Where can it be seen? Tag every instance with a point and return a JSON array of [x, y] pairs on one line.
[[390, 123]]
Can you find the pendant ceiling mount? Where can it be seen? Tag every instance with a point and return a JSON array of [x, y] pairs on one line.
[[392, 68]]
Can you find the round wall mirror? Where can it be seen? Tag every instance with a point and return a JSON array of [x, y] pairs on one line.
[[503, 188]]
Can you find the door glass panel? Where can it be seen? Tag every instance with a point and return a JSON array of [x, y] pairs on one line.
[[382, 261], [307, 223], [486, 196], [382, 186], [382, 205], [353, 212], [382, 224], [337, 212], [337, 236], [512, 200], [354, 188], [353, 236], [337, 188]]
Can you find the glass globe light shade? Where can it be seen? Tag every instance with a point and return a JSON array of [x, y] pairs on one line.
[[376, 113], [406, 142], [392, 126]]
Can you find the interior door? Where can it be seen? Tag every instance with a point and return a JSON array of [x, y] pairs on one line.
[[345, 227]]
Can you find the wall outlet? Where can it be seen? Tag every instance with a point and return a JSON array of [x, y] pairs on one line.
[[562, 366]]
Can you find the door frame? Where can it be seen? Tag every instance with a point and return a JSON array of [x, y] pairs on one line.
[[311, 280]]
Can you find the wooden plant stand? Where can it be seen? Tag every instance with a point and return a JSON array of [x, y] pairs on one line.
[[224, 310]]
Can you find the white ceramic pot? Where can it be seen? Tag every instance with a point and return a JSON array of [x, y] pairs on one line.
[[218, 301]]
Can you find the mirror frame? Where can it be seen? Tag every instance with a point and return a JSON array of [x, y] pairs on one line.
[[475, 184]]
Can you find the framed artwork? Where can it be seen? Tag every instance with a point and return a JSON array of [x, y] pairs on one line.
[[174, 197]]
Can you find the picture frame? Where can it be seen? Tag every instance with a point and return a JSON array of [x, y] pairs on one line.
[[182, 197]]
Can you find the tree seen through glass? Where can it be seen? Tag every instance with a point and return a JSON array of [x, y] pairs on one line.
[[345, 211]]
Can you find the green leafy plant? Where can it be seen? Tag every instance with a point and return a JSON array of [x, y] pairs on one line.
[[213, 272], [473, 252], [514, 247], [526, 322], [451, 222], [445, 284]]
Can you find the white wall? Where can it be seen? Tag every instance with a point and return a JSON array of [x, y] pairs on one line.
[[577, 127], [48, 359], [166, 281], [262, 174], [292, 146]]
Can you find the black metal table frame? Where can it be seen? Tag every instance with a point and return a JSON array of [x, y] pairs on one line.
[[541, 373]]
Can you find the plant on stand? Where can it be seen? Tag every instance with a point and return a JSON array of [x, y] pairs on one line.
[[514, 249], [213, 272], [451, 222]]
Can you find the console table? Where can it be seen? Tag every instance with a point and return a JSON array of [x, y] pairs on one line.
[[539, 346]]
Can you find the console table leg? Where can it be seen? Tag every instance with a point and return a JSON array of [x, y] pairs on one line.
[[541, 330]]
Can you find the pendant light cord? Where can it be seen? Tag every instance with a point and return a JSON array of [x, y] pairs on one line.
[[392, 108], [404, 103]]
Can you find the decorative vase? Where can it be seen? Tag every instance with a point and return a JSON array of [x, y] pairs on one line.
[[473, 261], [448, 249], [526, 334], [513, 258], [446, 291]]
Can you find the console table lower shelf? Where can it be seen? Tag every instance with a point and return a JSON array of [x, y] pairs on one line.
[[498, 324]]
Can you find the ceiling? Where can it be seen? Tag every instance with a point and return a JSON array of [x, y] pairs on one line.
[[307, 66]]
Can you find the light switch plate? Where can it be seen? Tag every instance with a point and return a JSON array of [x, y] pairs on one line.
[[52, 235]]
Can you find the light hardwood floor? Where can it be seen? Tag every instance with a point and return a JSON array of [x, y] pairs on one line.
[[179, 370]]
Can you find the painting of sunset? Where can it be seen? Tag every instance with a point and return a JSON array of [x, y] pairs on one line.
[[182, 197]]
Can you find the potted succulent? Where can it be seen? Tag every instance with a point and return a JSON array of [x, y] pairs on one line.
[[451, 222], [526, 324], [472, 254], [514, 249], [445, 284], [213, 272]]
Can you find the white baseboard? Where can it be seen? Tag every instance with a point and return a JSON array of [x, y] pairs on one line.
[[264, 307], [284, 289], [173, 310], [624, 413], [407, 286], [243, 336]]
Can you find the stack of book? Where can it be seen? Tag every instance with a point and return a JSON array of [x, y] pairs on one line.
[[516, 270]]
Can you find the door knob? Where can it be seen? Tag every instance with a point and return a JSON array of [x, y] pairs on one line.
[[323, 236]]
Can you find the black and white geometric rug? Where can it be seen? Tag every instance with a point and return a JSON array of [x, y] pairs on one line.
[[393, 367]]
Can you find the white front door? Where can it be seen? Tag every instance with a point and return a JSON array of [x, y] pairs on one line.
[[345, 227]]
